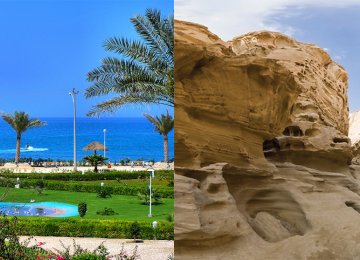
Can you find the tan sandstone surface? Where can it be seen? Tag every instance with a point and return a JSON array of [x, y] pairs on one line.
[[262, 154]]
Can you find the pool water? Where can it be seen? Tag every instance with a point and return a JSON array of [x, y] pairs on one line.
[[38, 209]]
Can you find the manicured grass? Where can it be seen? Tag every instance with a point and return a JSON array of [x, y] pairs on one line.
[[127, 207], [144, 182], [162, 179]]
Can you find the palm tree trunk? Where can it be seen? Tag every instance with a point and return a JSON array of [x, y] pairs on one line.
[[96, 164], [17, 155], [166, 149]]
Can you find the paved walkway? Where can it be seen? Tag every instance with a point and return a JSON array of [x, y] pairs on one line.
[[149, 250]]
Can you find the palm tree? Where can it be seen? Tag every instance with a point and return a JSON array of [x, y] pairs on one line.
[[21, 122], [145, 71], [163, 125], [95, 160]]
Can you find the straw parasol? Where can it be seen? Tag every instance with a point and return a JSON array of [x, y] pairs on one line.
[[95, 146]]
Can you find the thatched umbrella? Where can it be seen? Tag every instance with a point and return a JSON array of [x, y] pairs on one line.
[[95, 146]]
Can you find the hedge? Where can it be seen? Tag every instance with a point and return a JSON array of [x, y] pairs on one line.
[[89, 176], [164, 192], [41, 226]]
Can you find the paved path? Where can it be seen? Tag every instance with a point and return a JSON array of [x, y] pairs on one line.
[[149, 250]]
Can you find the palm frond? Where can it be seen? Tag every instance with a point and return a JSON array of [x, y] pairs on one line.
[[36, 123], [163, 124], [137, 52], [147, 29], [20, 121], [8, 119], [144, 73], [112, 105], [100, 89]]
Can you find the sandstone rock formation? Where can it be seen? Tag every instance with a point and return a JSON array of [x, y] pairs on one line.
[[262, 154]]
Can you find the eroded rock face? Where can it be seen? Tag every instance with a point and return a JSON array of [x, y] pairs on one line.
[[262, 153]]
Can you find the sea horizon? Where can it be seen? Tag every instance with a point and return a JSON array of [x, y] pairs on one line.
[[126, 137]]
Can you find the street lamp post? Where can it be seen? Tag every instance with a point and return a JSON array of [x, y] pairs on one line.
[[73, 94], [104, 142], [151, 176]]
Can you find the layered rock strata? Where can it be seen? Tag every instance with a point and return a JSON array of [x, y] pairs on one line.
[[262, 154]]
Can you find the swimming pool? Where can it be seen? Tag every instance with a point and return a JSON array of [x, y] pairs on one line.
[[38, 209]]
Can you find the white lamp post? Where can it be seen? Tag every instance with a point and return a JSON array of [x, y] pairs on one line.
[[73, 93], [104, 142], [154, 225], [151, 176]]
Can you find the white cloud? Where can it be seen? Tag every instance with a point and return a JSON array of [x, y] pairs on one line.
[[340, 56], [229, 18]]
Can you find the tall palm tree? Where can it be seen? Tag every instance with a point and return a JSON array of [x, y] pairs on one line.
[[163, 125], [20, 122], [144, 73]]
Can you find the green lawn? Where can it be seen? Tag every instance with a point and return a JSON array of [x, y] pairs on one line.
[[127, 207], [144, 183], [136, 182]]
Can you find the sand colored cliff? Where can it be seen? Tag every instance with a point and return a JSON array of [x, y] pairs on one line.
[[263, 161]]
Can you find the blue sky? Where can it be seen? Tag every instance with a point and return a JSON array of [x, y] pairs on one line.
[[47, 47], [333, 25]]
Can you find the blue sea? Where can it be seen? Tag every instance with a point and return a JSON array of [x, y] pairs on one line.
[[132, 138]]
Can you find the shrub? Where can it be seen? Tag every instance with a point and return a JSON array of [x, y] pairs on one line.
[[42, 226], [126, 256], [135, 230], [79, 253], [82, 208], [104, 192], [10, 246], [170, 217], [87, 256], [51, 228], [144, 196], [133, 190], [89, 175], [39, 186], [106, 212]]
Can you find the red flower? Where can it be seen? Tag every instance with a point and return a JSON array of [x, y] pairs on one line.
[[40, 243], [59, 257]]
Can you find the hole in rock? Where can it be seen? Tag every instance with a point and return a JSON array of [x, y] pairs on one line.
[[271, 146], [340, 140], [293, 131], [275, 215], [213, 188], [353, 205]]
